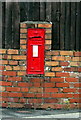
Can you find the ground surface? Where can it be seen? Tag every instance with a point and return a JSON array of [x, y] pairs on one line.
[[28, 114]]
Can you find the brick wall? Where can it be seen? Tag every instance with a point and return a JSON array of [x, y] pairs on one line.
[[58, 88]]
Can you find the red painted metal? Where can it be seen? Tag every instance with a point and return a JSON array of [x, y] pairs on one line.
[[35, 51]]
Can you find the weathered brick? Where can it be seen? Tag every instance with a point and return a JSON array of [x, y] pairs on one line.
[[46, 95], [22, 100], [77, 85], [2, 89], [60, 58], [75, 63], [62, 84], [14, 89], [60, 74], [24, 89], [28, 95], [77, 53], [48, 30], [71, 69], [23, 30], [52, 53], [3, 62], [57, 69], [34, 89], [50, 100], [66, 53], [6, 56], [76, 59], [47, 47], [21, 73], [22, 41], [23, 46], [12, 51], [2, 67], [0, 56], [44, 25], [72, 79], [79, 69], [48, 36], [68, 95], [36, 84], [51, 90], [23, 35], [50, 74], [13, 62], [16, 105], [64, 63], [2, 51], [58, 95], [36, 80], [19, 57], [57, 79], [51, 63], [48, 42], [4, 94], [19, 68], [67, 58], [9, 73], [22, 62], [8, 67], [23, 25]]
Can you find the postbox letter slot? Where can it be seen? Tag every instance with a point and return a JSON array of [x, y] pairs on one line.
[[35, 50]]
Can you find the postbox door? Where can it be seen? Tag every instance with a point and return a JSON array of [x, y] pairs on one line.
[[35, 59]]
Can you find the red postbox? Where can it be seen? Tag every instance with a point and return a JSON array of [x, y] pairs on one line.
[[35, 51]]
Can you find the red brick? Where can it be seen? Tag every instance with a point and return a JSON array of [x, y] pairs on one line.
[[1, 67], [23, 84], [2, 51], [22, 100], [15, 78], [22, 41], [28, 95], [51, 90], [60, 74], [79, 69], [76, 59], [77, 85], [57, 79], [15, 94], [38, 95], [74, 101], [15, 89], [77, 53], [64, 63], [19, 57], [13, 100], [4, 105], [12, 51], [35, 101], [69, 90], [62, 84], [36, 84], [72, 79], [77, 95], [13, 62], [19, 68], [66, 53], [69, 95], [50, 101], [24, 89], [4, 94], [9, 73], [75, 64], [58, 95], [5, 83], [48, 85], [3, 62]]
